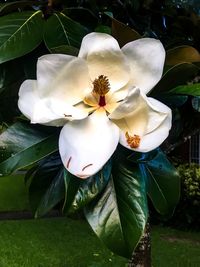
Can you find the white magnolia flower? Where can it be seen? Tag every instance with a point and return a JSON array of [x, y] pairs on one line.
[[100, 99]]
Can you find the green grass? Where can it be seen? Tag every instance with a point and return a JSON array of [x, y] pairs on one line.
[[58, 242], [62, 242], [174, 248], [13, 193]]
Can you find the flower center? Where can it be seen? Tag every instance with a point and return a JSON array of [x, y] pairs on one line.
[[133, 141], [101, 88]]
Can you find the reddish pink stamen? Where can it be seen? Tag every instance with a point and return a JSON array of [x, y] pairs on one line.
[[102, 101]]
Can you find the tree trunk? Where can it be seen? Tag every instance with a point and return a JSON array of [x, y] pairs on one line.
[[141, 257]]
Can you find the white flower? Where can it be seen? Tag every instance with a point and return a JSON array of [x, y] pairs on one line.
[[100, 99]]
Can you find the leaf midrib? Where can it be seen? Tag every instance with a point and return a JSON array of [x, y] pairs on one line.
[[35, 13]]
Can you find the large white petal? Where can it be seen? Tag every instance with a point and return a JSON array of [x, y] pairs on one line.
[[63, 77], [104, 57], [146, 57], [86, 145], [45, 110], [130, 103]]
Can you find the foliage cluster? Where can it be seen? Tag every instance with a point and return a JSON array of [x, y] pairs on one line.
[[188, 209], [115, 199]]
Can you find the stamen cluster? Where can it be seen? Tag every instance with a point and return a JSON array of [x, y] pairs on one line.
[[133, 141], [101, 85]]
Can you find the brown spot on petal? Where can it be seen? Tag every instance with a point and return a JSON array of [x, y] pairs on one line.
[[87, 166], [67, 116], [68, 162], [133, 141]]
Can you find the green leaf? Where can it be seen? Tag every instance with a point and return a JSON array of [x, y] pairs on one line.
[[192, 89], [163, 184], [196, 103], [22, 144], [41, 178], [119, 215], [103, 28], [13, 6], [90, 188], [103, 216], [20, 33], [72, 184], [178, 75], [54, 194], [60, 30], [173, 101], [132, 201]]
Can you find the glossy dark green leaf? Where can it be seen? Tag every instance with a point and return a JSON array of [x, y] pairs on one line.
[[67, 31], [196, 103], [163, 184], [41, 178], [20, 33], [54, 194], [23, 144], [173, 101], [132, 201], [15, 5], [192, 89], [119, 215], [103, 28], [104, 218], [90, 188], [72, 184], [178, 75]]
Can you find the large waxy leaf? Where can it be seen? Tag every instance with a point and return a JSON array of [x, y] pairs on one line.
[[20, 33], [67, 32], [119, 215], [13, 6], [54, 194], [103, 216], [182, 54], [163, 183], [173, 101], [43, 178], [91, 187], [72, 184], [22, 145], [178, 75], [192, 89]]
